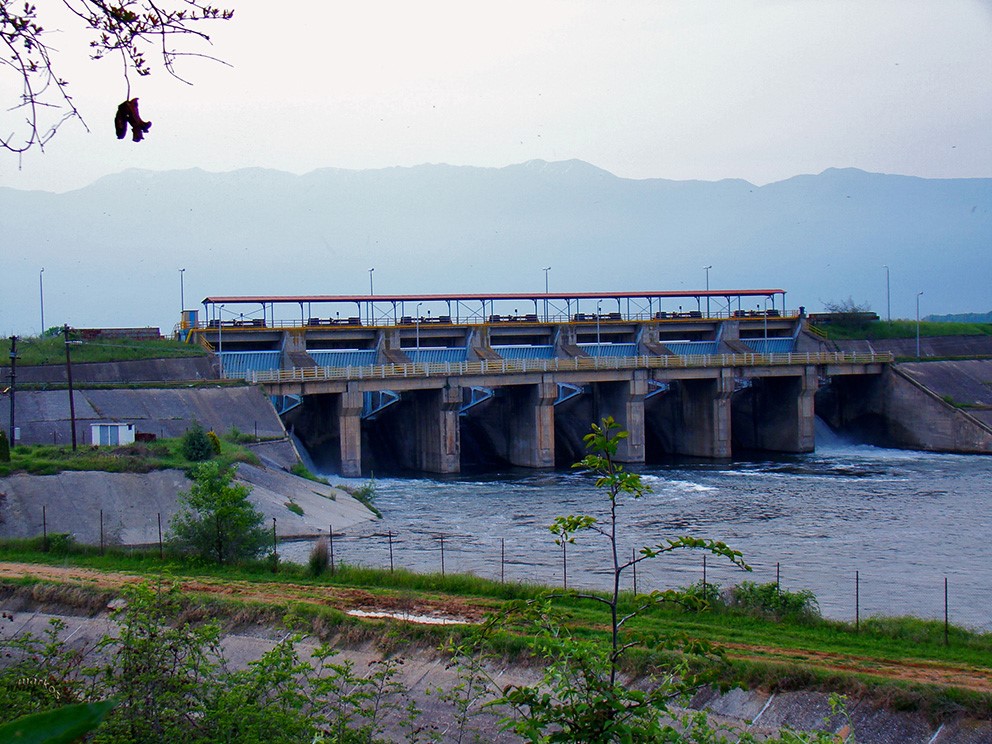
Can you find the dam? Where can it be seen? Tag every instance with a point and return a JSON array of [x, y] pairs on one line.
[[696, 374]]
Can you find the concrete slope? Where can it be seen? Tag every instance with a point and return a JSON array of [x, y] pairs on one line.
[[132, 504], [935, 346], [43, 415], [138, 370], [964, 384]]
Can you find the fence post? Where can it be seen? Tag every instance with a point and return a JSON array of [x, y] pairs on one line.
[[704, 576], [101, 532], [330, 540], [275, 553], [390, 536], [502, 560], [946, 617], [44, 529], [564, 565], [633, 562], [778, 581], [161, 551], [442, 554], [857, 601]]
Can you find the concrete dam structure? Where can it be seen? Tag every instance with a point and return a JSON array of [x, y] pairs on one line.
[[474, 379]]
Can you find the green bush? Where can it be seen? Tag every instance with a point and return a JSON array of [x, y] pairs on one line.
[[216, 520], [708, 593], [196, 445], [214, 441], [770, 600], [60, 543], [320, 557]]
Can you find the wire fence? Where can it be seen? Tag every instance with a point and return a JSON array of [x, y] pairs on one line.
[[852, 595]]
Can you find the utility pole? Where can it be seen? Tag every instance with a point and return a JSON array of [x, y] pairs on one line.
[[13, 387], [68, 374]]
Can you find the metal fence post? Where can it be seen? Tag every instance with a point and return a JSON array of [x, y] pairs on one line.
[[502, 560], [330, 540], [633, 562], [857, 601], [946, 616], [161, 549]]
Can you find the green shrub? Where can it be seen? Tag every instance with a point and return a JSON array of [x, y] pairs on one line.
[[770, 600], [320, 557], [60, 543], [196, 445], [700, 592], [214, 441], [295, 508]]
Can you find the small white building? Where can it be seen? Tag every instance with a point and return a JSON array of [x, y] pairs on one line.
[[111, 434]]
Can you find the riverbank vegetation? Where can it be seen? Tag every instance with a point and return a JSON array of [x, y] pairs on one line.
[[884, 329], [585, 647], [140, 457], [50, 349]]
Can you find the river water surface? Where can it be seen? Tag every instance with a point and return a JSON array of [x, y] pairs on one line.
[[903, 520]]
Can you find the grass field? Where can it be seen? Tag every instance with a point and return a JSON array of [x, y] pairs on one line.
[[902, 662], [34, 350]]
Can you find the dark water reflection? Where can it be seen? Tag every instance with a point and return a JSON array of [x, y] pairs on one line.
[[903, 520]]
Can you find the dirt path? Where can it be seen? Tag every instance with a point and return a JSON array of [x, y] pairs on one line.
[[456, 609]]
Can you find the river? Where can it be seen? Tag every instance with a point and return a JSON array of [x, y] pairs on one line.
[[903, 520]]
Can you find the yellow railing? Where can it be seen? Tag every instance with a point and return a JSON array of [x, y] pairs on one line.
[[576, 364]]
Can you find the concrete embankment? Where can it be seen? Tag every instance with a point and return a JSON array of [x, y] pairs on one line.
[[43, 416], [933, 406], [131, 504]]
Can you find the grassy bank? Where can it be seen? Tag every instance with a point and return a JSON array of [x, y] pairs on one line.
[[34, 350], [140, 457], [882, 329], [880, 660]]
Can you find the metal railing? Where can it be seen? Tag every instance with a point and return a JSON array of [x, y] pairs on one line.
[[576, 364]]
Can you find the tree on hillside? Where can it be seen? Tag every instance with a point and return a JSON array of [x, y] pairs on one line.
[[124, 29], [216, 520]]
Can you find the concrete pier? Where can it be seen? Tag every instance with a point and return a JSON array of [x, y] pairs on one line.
[[776, 413], [624, 401]]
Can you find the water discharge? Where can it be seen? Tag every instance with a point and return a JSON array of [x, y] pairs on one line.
[[903, 520]]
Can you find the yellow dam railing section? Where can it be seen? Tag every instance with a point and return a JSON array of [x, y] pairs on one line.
[[575, 364]]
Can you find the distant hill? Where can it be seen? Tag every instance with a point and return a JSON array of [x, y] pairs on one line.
[[112, 251], [962, 318]]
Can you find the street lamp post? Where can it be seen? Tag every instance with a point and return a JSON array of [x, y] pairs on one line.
[[182, 298], [41, 293], [918, 325], [371, 294], [546, 269], [707, 270], [888, 296], [220, 339], [766, 325], [599, 308], [418, 330]]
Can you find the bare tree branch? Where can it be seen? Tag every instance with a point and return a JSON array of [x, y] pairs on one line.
[[128, 28]]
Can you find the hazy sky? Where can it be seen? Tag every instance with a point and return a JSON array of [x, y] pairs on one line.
[[681, 89]]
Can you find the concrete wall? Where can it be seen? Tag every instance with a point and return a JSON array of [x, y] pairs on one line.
[[894, 410], [141, 370], [43, 416]]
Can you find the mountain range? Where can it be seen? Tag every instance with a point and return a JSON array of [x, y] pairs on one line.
[[112, 250]]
